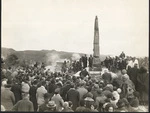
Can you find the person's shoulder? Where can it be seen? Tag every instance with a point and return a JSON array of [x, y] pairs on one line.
[[29, 102]]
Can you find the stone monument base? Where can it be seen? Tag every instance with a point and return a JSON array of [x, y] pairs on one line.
[[96, 64]]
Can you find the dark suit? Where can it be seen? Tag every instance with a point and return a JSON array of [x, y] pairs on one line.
[[107, 78], [16, 89], [64, 91], [133, 76], [33, 99], [73, 96]]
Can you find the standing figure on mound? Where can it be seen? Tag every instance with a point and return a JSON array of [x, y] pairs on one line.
[[90, 61], [84, 61], [122, 55]]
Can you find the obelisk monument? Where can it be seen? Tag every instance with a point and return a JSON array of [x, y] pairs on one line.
[[96, 52]]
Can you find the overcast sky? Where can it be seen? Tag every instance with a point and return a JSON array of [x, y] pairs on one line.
[[68, 25]]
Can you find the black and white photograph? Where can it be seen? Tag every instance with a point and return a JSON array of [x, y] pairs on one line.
[[75, 55]]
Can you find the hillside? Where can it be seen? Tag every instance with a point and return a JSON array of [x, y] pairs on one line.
[[41, 55]]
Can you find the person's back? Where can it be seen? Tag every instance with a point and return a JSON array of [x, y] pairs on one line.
[[74, 97], [51, 88], [16, 89], [107, 77], [44, 106], [82, 91], [7, 99], [133, 74], [40, 94], [24, 105], [58, 100], [64, 91]]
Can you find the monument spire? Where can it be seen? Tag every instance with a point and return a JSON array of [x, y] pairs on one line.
[[96, 39], [96, 52]]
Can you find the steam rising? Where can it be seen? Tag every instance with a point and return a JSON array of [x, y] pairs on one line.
[[52, 58], [75, 56]]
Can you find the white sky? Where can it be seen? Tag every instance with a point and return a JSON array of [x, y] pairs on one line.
[[68, 25]]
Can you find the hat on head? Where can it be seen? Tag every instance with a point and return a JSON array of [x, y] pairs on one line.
[[51, 104]]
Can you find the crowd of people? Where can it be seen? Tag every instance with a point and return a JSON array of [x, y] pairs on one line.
[[33, 88], [77, 65]]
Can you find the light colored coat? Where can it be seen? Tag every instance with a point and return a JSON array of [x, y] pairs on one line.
[[40, 95], [7, 99], [58, 101]]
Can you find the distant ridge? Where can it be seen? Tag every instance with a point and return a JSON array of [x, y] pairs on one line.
[[39, 55]]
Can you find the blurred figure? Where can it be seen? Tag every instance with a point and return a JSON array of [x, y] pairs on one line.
[[16, 89], [40, 93], [44, 106], [58, 100], [81, 108], [32, 93], [51, 107], [90, 61], [73, 96], [24, 105], [109, 108], [68, 107], [7, 98]]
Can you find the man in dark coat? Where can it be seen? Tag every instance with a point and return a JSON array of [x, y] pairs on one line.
[[107, 78], [84, 73], [90, 61], [84, 59], [106, 61], [65, 89], [143, 84], [122, 55], [52, 86], [32, 93], [16, 89], [8, 75], [133, 75], [73, 96]]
